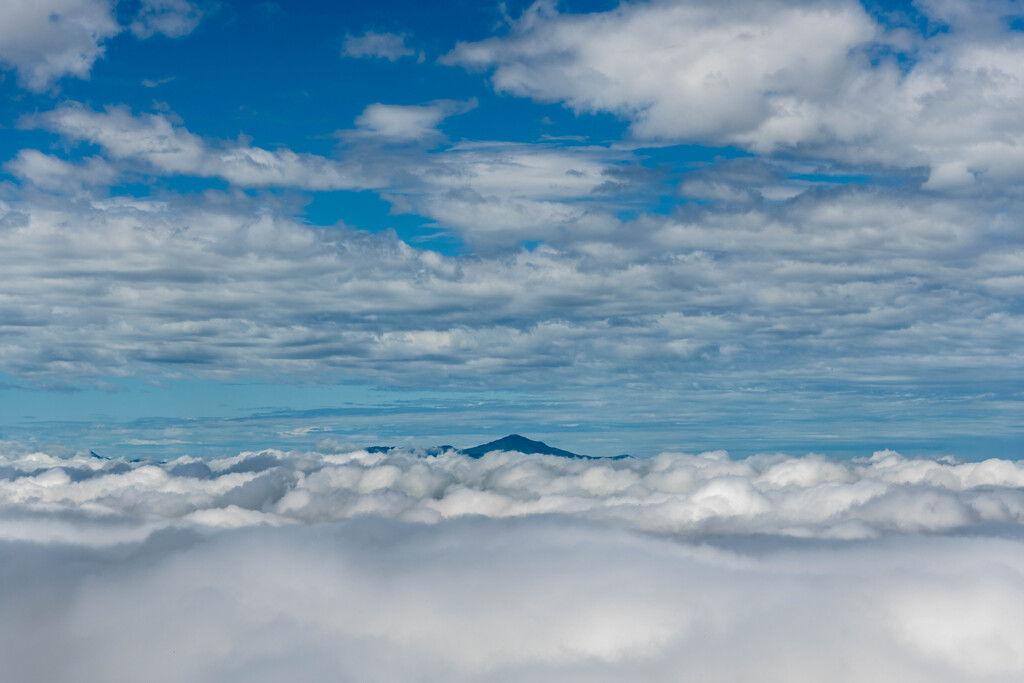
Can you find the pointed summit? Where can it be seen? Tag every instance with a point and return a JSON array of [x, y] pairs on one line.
[[520, 444]]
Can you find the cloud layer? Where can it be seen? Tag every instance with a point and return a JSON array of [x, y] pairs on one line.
[[673, 493], [855, 283], [510, 568]]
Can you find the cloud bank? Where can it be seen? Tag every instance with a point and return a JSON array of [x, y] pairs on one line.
[[510, 568], [672, 493]]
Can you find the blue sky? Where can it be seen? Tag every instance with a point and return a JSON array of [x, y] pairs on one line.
[[756, 226]]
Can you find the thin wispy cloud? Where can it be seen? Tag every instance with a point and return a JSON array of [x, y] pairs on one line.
[[389, 46]]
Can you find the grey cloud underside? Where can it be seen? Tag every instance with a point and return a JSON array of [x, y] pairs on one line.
[[510, 567]]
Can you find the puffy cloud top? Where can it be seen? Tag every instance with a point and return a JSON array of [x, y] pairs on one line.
[[510, 568], [676, 493]]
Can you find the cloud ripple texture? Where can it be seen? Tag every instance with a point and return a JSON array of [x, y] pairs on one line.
[[400, 566]]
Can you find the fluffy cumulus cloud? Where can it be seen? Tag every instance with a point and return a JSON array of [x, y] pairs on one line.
[[820, 78], [54, 174], [407, 122], [46, 40], [510, 567]]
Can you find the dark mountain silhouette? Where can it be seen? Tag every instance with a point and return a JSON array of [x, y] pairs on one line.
[[512, 442], [520, 444]]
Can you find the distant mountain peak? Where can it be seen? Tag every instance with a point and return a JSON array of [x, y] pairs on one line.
[[513, 442], [519, 444]]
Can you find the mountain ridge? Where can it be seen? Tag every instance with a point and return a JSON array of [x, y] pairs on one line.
[[512, 442], [519, 444]]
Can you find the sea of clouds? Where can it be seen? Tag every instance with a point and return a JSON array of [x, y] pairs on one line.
[[401, 566]]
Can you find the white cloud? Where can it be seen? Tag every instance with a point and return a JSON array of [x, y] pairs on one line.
[[674, 493], [497, 193], [407, 122], [46, 40], [510, 568], [389, 46], [492, 192], [172, 18], [799, 78], [164, 147], [52, 173]]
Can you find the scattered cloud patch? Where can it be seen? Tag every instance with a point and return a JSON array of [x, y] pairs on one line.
[[155, 83], [172, 18], [46, 40], [166, 148], [389, 46], [407, 122], [52, 173]]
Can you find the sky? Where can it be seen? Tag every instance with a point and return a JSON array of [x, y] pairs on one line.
[[623, 228], [772, 248]]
